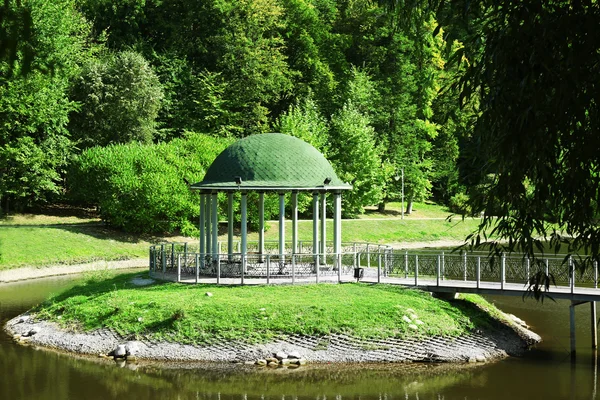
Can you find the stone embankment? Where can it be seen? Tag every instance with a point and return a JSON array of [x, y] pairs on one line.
[[478, 346]]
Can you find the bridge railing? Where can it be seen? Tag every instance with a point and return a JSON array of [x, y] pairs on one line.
[[183, 261], [477, 267]]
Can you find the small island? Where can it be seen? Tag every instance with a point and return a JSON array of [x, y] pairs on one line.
[[148, 319]]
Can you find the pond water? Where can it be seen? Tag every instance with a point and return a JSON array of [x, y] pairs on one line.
[[544, 373]]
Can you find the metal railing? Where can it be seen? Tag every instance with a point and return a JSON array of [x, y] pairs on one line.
[[482, 268], [182, 261]]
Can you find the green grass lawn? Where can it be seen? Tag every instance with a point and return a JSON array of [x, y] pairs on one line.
[[382, 231], [184, 313], [30, 240], [420, 210], [40, 240]]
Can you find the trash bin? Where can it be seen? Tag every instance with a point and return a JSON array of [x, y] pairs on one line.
[[358, 273]]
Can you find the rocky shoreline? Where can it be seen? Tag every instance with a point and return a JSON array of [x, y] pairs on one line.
[[480, 346]]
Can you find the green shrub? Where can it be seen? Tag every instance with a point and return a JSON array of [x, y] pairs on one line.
[[459, 204], [145, 188]]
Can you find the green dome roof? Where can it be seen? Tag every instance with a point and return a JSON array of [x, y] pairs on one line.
[[271, 161]]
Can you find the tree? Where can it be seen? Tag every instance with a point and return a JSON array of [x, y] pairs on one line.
[[304, 121], [532, 163], [34, 107], [357, 159], [16, 36], [455, 126], [408, 73], [119, 97], [249, 54], [313, 49]]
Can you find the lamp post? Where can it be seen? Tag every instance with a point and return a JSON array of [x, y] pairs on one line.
[[397, 178]]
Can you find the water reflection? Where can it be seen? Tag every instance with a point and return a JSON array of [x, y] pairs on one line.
[[546, 372]]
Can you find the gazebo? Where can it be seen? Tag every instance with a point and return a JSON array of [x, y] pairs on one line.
[[269, 163]]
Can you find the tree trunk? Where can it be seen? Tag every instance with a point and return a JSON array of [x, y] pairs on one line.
[[381, 207], [409, 205]]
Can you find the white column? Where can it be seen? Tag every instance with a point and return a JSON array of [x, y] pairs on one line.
[[337, 224], [207, 213], [294, 222], [261, 225], [244, 233], [323, 229], [316, 230], [202, 227], [229, 225], [281, 227], [215, 225]]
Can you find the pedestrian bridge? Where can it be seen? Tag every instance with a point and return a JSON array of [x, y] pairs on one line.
[[444, 273], [435, 271]]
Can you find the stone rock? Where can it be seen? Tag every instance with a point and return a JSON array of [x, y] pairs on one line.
[[414, 316], [272, 364], [120, 351], [294, 355], [272, 359], [208, 294], [280, 355], [141, 281], [302, 361], [23, 318], [131, 358], [413, 326], [472, 360], [419, 322], [518, 320], [261, 361], [406, 319], [248, 362], [285, 361], [121, 363], [132, 348], [480, 358], [33, 331]]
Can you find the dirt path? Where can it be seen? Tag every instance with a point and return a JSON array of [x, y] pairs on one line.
[[20, 274]]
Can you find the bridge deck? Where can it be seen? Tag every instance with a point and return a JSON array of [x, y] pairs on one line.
[[424, 283], [493, 288]]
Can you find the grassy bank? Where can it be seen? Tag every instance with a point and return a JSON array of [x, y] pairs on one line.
[[184, 313], [382, 231], [40, 240]]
